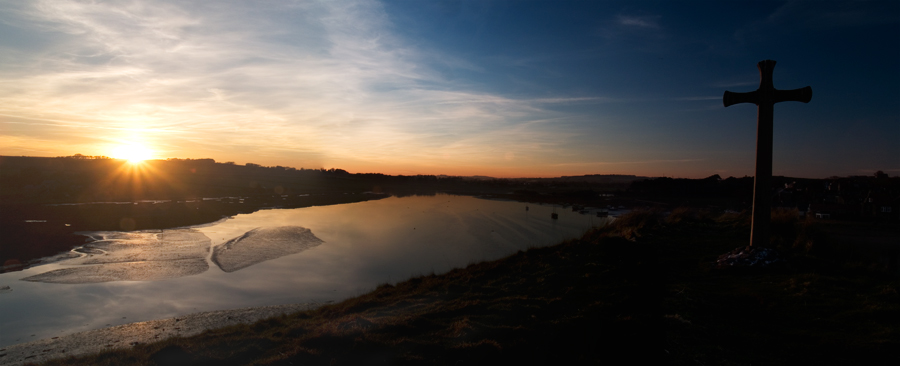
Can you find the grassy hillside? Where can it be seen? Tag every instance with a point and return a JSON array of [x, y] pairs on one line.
[[642, 290]]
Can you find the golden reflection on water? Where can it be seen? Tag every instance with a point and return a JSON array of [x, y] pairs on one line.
[[134, 256]]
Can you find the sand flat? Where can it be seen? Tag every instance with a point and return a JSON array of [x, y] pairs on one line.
[[263, 244], [134, 256], [166, 245], [124, 271]]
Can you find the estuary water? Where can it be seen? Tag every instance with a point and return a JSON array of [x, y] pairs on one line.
[[271, 257]]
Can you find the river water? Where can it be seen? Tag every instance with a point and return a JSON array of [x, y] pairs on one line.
[[270, 257]]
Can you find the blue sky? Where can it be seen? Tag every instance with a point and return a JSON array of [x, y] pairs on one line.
[[498, 88]]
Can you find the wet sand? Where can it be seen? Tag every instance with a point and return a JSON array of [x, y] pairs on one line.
[[129, 335], [262, 244], [134, 256]]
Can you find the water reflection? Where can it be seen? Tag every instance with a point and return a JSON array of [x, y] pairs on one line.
[[150, 256], [134, 256], [128, 271], [348, 250]]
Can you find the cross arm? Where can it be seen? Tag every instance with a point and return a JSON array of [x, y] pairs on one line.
[[796, 95], [732, 98]]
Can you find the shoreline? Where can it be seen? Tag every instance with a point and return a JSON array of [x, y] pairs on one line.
[[137, 317], [52, 238], [52, 230], [647, 283], [129, 335]]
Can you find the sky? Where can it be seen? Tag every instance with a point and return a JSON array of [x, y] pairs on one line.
[[495, 88]]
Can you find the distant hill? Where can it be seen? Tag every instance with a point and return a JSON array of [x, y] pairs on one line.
[[593, 178], [78, 179], [81, 179], [587, 178]]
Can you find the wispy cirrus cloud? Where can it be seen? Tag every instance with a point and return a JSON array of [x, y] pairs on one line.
[[651, 22], [693, 99], [735, 84], [236, 81]]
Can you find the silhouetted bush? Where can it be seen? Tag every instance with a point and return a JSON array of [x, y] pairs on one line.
[[631, 225], [810, 236], [783, 227], [688, 214]]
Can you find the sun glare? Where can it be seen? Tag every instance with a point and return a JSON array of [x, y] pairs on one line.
[[134, 153]]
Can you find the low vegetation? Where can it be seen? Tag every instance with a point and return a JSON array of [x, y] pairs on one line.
[[641, 290]]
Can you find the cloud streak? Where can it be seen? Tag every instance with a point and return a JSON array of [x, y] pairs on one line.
[[651, 22], [323, 78]]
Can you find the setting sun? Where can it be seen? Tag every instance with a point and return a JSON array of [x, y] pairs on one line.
[[132, 152]]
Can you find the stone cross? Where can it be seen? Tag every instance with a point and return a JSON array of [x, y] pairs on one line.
[[765, 98]]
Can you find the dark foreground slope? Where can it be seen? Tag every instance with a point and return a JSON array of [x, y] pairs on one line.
[[641, 291]]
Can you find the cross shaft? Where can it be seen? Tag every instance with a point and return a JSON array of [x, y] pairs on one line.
[[765, 98]]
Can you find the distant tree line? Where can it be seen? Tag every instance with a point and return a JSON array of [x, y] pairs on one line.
[[260, 166], [85, 157]]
